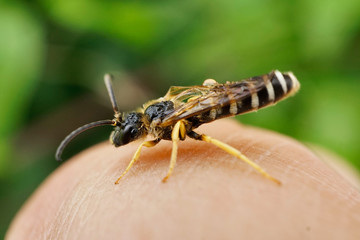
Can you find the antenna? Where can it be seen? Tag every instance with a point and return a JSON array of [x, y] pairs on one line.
[[76, 132], [108, 82]]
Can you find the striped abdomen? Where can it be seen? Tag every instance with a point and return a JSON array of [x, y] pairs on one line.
[[251, 94]]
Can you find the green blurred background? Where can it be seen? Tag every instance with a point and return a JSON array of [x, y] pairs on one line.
[[53, 55]]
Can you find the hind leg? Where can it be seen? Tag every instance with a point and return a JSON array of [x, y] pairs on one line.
[[233, 151]]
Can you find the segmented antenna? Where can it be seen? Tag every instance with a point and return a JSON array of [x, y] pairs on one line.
[[108, 82], [77, 132]]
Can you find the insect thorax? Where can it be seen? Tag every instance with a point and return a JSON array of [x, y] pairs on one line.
[[159, 110], [155, 113]]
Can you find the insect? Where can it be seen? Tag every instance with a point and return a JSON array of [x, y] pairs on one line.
[[183, 109]]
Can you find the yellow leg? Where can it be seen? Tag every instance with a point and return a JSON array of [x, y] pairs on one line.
[[179, 128], [227, 148], [136, 156]]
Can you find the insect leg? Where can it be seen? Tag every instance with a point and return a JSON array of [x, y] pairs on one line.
[[179, 129], [229, 149], [137, 155]]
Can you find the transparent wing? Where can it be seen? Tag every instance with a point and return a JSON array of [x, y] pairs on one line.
[[191, 101], [182, 95]]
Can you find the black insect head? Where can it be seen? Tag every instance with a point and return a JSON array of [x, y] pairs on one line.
[[129, 130]]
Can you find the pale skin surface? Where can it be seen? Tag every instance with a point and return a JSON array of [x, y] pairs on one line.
[[211, 195]]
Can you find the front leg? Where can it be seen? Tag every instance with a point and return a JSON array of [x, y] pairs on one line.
[[137, 155]]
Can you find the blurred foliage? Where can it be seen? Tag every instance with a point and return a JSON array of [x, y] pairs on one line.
[[53, 55]]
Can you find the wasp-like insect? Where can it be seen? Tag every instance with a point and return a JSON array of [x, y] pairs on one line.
[[183, 109]]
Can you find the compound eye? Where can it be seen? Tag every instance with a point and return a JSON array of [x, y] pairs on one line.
[[130, 134], [121, 136]]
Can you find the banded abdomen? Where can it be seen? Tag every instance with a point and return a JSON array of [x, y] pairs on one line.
[[249, 95]]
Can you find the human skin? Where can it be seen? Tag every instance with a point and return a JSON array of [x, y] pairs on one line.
[[211, 194]]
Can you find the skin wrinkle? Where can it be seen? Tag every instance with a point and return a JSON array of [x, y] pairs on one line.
[[295, 168], [77, 205], [74, 207], [309, 172], [68, 214], [268, 152], [89, 210], [54, 228], [69, 209], [62, 214], [354, 198], [53, 225], [92, 189]]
